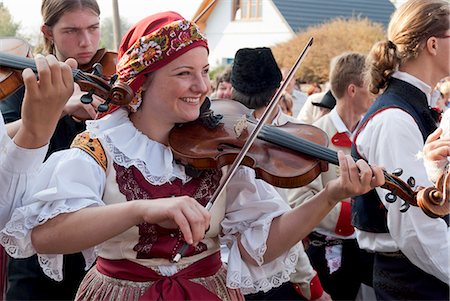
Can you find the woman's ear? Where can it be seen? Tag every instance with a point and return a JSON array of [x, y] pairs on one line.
[[431, 45], [148, 80]]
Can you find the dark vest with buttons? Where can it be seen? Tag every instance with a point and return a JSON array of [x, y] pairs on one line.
[[368, 212]]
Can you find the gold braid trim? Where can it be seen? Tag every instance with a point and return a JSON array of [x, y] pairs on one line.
[[92, 147]]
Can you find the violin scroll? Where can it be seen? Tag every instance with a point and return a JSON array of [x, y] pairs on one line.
[[434, 201], [121, 94]]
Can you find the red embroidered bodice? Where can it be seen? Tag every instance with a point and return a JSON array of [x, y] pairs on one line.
[[156, 241]]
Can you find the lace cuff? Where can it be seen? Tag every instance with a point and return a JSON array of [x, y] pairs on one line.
[[251, 279], [16, 235], [52, 264]]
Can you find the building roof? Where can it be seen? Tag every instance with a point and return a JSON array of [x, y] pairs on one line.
[[300, 14]]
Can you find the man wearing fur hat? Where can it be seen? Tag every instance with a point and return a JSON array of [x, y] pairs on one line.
[[255, 77]]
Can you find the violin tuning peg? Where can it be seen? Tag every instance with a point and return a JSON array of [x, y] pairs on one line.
[[97, 69], [103, 107], [87, 98], [397, 172], [113, 78], [390, 197], [405, 206], [411, 182]]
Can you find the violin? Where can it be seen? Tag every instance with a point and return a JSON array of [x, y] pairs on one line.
[[11, 80], [111, 91], [273, 163], [286, 156], [434, 201], [103, 64]]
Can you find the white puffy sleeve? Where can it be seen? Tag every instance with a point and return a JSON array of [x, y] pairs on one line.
[[68, 181], [18, 168], [251, 206]]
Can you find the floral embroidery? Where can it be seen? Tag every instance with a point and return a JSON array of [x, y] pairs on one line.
[[156, 46], [156, 241]]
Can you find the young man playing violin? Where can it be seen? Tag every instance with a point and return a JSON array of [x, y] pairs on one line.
[[71, 29]]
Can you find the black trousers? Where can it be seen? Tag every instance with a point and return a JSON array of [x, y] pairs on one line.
[[26, 281], [356, 268], [396, 278]]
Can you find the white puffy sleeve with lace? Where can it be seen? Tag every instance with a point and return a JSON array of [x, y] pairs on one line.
[[18, 167], [55, 191], [251, 206]]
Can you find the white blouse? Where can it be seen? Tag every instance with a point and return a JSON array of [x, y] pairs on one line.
[[392, 139], [18, 166], [71, 180]]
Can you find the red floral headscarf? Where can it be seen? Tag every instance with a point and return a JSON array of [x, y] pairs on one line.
[[153, 43]]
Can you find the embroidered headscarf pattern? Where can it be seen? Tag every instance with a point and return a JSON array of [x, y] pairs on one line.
[[158, 46]]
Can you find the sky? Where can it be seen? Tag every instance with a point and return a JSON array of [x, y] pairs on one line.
[[130, 10]]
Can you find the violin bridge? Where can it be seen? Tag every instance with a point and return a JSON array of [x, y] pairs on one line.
[[240, 125]]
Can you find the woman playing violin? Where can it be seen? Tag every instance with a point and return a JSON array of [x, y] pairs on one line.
[[411, 249], [121, 185], [71, 29]]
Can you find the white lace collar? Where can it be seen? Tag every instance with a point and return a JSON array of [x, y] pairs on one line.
[[130, 147]]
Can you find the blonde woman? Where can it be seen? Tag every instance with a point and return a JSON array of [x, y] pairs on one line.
[[411, 249]]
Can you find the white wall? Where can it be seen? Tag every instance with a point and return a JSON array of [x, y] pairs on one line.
[[225, 36]]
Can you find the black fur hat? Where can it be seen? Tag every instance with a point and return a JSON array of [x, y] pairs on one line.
[[255, 71]]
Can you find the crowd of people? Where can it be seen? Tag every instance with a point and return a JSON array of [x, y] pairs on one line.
[[101, 207]]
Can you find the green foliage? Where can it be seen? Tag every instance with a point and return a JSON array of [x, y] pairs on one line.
[[7, 25], [330, 39], [216, 71], [107, 32]]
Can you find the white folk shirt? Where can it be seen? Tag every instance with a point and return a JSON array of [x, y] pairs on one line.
[[330, 124], [71, 180], [18, 166], [304, 271], [392, 139]]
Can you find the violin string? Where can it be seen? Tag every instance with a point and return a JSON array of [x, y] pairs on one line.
[[17, 62], [290, 141], [285, 139]]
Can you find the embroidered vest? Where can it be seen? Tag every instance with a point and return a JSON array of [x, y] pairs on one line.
[[368, 212], [154, 240]]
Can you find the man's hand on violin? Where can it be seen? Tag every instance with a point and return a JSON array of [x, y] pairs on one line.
[[75, 108], [184, 212], [44, 99], [355, 178]]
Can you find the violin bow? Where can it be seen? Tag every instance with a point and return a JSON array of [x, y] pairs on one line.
[[245, 148], [200, 15]]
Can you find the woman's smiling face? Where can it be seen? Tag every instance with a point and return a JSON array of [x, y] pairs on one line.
[[175, 92]]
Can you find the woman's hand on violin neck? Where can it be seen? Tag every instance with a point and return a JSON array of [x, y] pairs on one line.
[[184, 212], [44, 100], [355, 178]]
